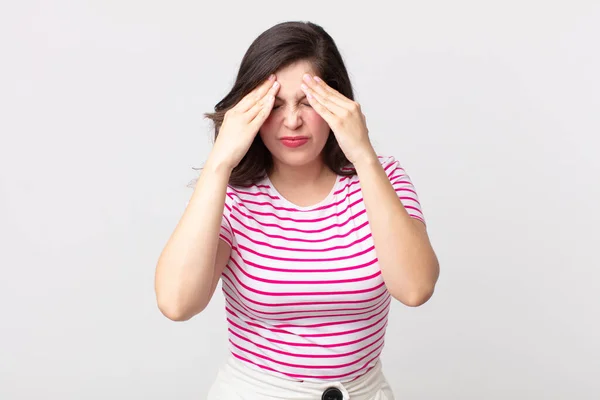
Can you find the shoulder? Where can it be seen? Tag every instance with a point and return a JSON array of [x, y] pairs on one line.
[[390, 164], [258, 191], [386, 159]]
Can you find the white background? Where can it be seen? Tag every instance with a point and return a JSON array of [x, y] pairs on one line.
[[492, 107]]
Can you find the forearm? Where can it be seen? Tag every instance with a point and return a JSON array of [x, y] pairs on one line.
[[185, 269], [408, 263]]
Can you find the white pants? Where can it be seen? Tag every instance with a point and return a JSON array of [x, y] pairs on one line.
[[237, 381]]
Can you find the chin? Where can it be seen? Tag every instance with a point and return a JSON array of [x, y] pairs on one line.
[[295, 157]]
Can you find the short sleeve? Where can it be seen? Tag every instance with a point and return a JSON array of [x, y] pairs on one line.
[[226, 232], [403, 186]]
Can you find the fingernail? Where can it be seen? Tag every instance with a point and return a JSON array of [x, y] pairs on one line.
[[271, 77], [304, 87], [307, 77]]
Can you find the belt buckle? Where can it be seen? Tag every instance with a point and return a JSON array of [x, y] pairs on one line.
[[332, 393]]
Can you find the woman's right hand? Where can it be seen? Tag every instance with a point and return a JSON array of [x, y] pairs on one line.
[[241, 124]]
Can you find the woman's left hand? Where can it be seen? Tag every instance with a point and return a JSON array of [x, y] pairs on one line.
[[344, 117]]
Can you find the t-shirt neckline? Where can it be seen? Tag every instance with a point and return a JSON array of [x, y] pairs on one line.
[[330, 196]]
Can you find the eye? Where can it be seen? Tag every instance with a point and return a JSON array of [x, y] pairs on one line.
[[306, 104], [276, 107]]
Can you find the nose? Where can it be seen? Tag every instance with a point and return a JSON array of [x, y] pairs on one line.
[[291, 118]]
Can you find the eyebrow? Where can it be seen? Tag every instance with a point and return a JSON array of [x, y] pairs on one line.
[[298, 98]]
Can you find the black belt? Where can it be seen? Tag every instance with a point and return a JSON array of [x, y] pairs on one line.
[[332, 393]]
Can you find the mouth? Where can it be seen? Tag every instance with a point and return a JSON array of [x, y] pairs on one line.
[[294, 141], [294, 137]]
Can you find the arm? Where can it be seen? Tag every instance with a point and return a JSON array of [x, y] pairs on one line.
[[194, 257], [408, 263]]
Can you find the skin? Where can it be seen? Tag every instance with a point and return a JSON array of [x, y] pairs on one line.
[[409, 266], [192, 261], [298, 173], [194, 257]]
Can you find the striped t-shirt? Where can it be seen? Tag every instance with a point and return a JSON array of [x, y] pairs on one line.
[[303, 290]]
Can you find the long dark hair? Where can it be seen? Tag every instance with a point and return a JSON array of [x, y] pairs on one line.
[[276, 48]]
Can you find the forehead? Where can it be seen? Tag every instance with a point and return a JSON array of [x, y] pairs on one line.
[[290, 78], [295, 70]]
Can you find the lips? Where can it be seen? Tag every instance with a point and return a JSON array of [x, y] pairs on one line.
[[294, 138], [294, 141]]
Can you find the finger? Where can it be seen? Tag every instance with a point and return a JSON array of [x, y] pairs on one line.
[[323, 111], [320, 87], [328, 88], [266, 102], [255, 95], [325, 101], [252, 98], [262, 114]]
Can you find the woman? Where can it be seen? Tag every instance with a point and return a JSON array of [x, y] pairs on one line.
[[312, 233]]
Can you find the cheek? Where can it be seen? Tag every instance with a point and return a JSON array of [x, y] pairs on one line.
[[316, 122], [268, 126]]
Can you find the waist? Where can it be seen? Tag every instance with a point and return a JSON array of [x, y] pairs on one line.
[[339, 352], [257, 382]]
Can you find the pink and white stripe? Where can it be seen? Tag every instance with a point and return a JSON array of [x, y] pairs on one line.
[[304, 293]]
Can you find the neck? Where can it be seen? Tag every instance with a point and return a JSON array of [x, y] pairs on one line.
[[306, 175]]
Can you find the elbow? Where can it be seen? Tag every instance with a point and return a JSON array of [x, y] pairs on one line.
[[414, 298], [174, 314], [419, 298], [177, 312], [419, 293], [173, 303]]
